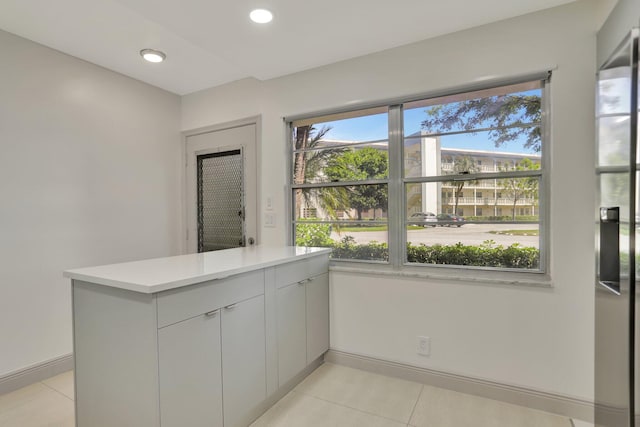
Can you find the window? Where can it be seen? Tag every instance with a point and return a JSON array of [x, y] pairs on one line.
[[406, 184], [340, 170]]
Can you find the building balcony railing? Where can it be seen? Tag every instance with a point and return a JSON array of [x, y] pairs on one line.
[[482, 168], [485, 183], [484, 201]]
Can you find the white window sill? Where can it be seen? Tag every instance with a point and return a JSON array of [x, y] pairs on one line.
[[539, 280]]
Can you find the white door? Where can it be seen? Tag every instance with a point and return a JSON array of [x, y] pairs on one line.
[[292, 331], [190, 369], [244, 372], [221, 189], [317, 316]]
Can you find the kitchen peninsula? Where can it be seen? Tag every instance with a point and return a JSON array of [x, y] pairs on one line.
[[203, 339]]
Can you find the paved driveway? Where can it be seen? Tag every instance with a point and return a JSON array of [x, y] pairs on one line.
[[469, 234]]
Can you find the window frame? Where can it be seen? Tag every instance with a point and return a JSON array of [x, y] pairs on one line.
[[396, 203]]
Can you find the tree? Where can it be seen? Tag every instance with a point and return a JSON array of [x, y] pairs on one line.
[[309, 164], [461, 166], [509, 117], [518, 188], [357, 165]]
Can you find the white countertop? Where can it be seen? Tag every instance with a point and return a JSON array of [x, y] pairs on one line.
[[160, 274]]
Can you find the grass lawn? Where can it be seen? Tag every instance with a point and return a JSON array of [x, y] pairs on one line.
[[373, 228]]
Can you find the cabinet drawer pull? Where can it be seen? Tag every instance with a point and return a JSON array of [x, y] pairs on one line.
[[211, 313], [302, 282], [230, 306]]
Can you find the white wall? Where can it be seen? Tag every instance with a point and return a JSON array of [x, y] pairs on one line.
[[540, 338], [89, 174], [624, 16]]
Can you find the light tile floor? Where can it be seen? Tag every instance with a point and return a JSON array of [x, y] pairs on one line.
[[332, 396], [47, 403]]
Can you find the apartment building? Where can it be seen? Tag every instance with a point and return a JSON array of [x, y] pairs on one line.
[[489, 197]]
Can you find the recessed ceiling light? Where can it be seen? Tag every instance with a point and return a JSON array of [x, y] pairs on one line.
[[152, 55], [261, 16]]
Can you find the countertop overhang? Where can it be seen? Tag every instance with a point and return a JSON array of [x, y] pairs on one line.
[[161, 274]]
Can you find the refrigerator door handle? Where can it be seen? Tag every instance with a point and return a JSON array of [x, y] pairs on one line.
[[609, 268]]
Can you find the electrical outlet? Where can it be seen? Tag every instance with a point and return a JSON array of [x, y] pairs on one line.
[[424, 346]]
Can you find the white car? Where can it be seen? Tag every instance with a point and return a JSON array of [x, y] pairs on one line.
[[428, 219]]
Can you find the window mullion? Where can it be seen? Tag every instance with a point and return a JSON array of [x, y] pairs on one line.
[[397, 236]]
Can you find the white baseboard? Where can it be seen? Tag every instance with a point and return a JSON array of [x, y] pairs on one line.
[[549, 402], [34, 373]]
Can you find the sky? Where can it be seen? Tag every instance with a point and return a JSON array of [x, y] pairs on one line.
[[375, 127]]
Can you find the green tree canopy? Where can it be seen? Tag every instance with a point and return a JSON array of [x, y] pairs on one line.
[[509, 117], [357, 165]]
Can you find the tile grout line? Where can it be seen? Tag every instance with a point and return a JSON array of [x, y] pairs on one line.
[[20, 403], [56, 390], [415, 406], [355, 409]]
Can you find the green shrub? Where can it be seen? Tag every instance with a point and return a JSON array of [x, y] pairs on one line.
[[347, 248], [486, 255], [313, 235]]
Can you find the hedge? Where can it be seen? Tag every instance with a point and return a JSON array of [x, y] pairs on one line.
[[313, 235], [488, 254], [347, 248]]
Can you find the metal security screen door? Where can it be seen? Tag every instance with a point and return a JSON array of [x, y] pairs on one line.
[[220, 187], [220, 190]]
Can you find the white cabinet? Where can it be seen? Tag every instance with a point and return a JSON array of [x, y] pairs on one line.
[[190, 360], [214, 363], [243, 360], [303, 315], [204, 351], [292, 331], [200, 357], [317, 302]]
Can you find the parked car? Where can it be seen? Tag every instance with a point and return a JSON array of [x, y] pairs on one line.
[[450, 220], [428, 219]]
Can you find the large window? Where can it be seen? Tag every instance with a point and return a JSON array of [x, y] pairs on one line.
[[454, 180], [341, 171]]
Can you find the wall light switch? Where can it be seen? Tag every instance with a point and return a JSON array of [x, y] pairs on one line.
[[269, 219], [269, 203]]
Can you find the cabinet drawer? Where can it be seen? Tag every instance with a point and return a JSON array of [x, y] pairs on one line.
[[184, 303], [292, 272]]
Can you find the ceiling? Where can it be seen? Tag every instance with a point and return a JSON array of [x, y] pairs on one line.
[[209, 43]]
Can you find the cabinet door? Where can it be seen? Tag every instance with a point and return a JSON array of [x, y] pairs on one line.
[[317, 317], [292, 331], [190, 373], [243, 359]]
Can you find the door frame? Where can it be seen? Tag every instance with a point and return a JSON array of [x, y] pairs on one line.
[[184, 220]]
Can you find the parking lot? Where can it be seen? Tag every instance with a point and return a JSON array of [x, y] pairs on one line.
[[469, 234]]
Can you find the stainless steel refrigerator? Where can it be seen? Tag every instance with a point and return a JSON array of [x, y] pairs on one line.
[[617, 310]]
